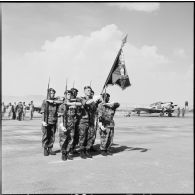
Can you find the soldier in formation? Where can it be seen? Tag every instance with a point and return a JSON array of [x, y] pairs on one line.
[[77, 119], [106, 113], [67, 121], [86, 133], [49, 111]]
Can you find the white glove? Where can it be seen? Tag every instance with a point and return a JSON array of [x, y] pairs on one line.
[[89, 101], [101, 126], [62, 127], [44, 123], [50, 101]]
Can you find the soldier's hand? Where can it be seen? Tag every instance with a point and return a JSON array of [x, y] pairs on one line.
[[101, 127], [50, 101], [44, 123], [62, 127]]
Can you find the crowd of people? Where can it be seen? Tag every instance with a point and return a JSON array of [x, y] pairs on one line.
[[77, 120], [17, 111]]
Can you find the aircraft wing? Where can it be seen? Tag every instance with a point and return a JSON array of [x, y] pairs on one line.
[[148, 110]]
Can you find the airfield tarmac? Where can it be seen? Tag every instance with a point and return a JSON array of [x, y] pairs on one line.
[[151, 155]]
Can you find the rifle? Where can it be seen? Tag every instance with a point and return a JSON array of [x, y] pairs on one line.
[[65, 124], [73, 84], [47, 104]]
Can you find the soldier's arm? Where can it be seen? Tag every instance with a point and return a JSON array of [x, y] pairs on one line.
[[55, 101], [73, 103], [43, 107], [90, 101], [113, 105]]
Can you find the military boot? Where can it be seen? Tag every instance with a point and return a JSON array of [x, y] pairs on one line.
[[46, 153], [108, 152], [51, 152], [74, 151], [69, 156], [82, 154], [64, 156], [103, 153], [88, 155], [92, 149]]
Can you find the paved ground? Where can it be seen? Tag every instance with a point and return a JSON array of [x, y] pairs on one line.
[[151, 155]]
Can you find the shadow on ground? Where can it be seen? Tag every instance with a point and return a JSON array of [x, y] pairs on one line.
[[114, 150]]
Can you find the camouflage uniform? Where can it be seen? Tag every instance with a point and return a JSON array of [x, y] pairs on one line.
[[77, 121], [48, 137], [69, 121], [105, 115], [86, 133], [93, 121]]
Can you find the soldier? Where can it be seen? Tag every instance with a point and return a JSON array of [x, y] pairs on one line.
[[93, 120], [85, 133], [78, 115], [183, 112], [49, 120], [19, 111], [106, 113], [10, 111], [67, 120], [14, 111], [31, 106], [24, 110], [178, 112]]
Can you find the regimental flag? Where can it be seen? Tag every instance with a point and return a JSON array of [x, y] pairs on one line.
[[118, 73]]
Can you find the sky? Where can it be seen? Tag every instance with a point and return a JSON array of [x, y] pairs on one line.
[[78, 42]]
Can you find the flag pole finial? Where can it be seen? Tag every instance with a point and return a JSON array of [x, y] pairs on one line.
[[124, 40]]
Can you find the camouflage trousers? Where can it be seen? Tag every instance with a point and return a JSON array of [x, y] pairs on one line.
[[48, 137], [94, 134], [66, 138], [76, 136], [86, 134], [106, 138]]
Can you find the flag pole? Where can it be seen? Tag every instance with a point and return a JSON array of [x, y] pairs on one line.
[[66, 89]]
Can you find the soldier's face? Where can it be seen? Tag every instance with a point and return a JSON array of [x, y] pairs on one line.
[[107, 98], [74, 94], [68, 96], [87, 92], [52, 94]]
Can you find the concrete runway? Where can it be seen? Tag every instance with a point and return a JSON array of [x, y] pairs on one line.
[[151, 155]]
